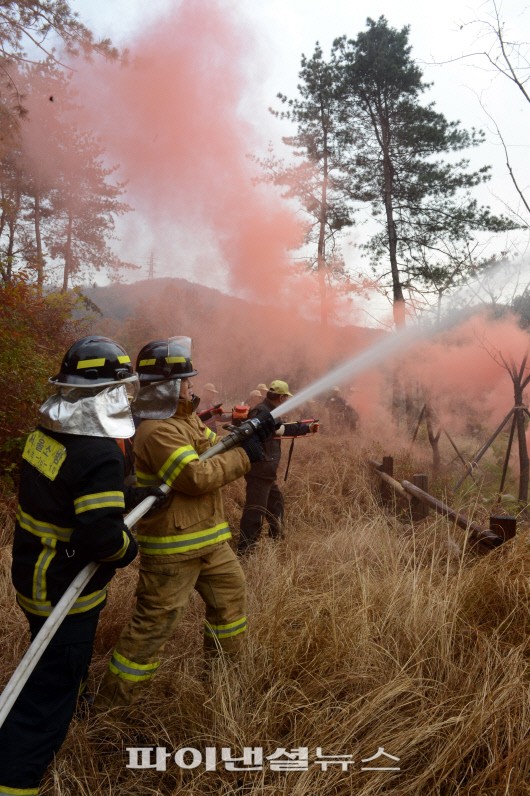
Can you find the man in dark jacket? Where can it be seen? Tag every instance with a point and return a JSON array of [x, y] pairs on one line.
[[264, 499], [70, 513]]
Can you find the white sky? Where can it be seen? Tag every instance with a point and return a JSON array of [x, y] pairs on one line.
[[439, 32]]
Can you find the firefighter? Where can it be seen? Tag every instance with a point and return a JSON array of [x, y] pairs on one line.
[[212, 407], [213, 414], [209, 394], [254, 398], [70, 512], [264, 499], [341, 415], [183, 546]]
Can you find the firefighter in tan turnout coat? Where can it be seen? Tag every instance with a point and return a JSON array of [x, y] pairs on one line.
[[183, 545]]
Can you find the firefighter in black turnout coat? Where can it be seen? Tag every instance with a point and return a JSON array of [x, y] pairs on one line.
[[264, 499], [70, 512]]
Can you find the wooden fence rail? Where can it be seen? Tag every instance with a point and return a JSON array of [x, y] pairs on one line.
[[483, 539]]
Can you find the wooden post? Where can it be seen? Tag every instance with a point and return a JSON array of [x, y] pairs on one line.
[[478, 456], [503, 526], [387, 495], [419, 509]]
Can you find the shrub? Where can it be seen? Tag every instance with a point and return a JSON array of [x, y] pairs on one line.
[[35, 331]]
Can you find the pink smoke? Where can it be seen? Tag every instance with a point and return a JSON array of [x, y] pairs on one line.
[[174, 120]]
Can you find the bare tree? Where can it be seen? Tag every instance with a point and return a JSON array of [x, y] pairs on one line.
[[510, 59]]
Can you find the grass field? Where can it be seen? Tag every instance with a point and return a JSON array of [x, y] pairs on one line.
[[365, 634]]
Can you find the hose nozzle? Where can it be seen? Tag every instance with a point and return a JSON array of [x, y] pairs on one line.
[[264, 425]]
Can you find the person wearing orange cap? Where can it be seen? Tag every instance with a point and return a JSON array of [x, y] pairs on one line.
[[264, 499]]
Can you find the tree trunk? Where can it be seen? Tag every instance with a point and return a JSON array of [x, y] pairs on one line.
[[38, 242], [321, 251], [398, 303], [10, 251], [67, 254], [11, 223], [434, 437], [524, 467]]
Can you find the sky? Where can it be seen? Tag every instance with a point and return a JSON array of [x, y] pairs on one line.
[[183, 122]]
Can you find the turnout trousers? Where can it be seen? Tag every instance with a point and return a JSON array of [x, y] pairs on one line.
[[38, 722], [264, 501], [163, 592]]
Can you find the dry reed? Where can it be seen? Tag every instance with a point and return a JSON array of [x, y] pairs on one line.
[[364, 633]]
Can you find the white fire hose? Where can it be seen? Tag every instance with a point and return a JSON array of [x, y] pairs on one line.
[[42, 639], [44, 636]]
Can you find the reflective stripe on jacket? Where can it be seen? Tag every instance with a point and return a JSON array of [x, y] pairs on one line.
[[70, 513], [169, 451]]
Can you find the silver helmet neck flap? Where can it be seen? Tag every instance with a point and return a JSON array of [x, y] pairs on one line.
[[161, 365], [95, 387]]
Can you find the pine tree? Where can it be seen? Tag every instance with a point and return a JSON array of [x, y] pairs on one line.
[[315, 179], [400, 160]]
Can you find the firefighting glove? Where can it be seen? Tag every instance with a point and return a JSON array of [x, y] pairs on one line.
[[136, 494], [107, 569], [267, 425], [253, 448], [130, 554], [296, 429]]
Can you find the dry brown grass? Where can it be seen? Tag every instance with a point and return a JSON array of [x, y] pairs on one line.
[[363, 634]]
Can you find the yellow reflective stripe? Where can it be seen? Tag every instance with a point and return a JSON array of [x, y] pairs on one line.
[[41, 567], [226, 631], [172, 360], [90, 363], [44, 607], [147, 479], [124, 359], [42, 529], [175, 464], [99, 500], [5, 791], [209, 434], [184, 542], [130, 670], [146, 362], [121, 552]]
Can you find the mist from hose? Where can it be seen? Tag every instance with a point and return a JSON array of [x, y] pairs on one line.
[[395, 343], [358, 364]]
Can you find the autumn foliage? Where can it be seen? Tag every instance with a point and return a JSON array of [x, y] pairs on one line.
[[34, 334]]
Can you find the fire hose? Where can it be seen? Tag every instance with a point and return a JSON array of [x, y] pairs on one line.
[[42, 639]]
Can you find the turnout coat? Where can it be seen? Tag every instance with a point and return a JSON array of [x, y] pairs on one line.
[[70, 512], [168, 451]]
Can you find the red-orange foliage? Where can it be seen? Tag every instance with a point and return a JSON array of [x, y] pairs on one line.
[[35, 331]]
